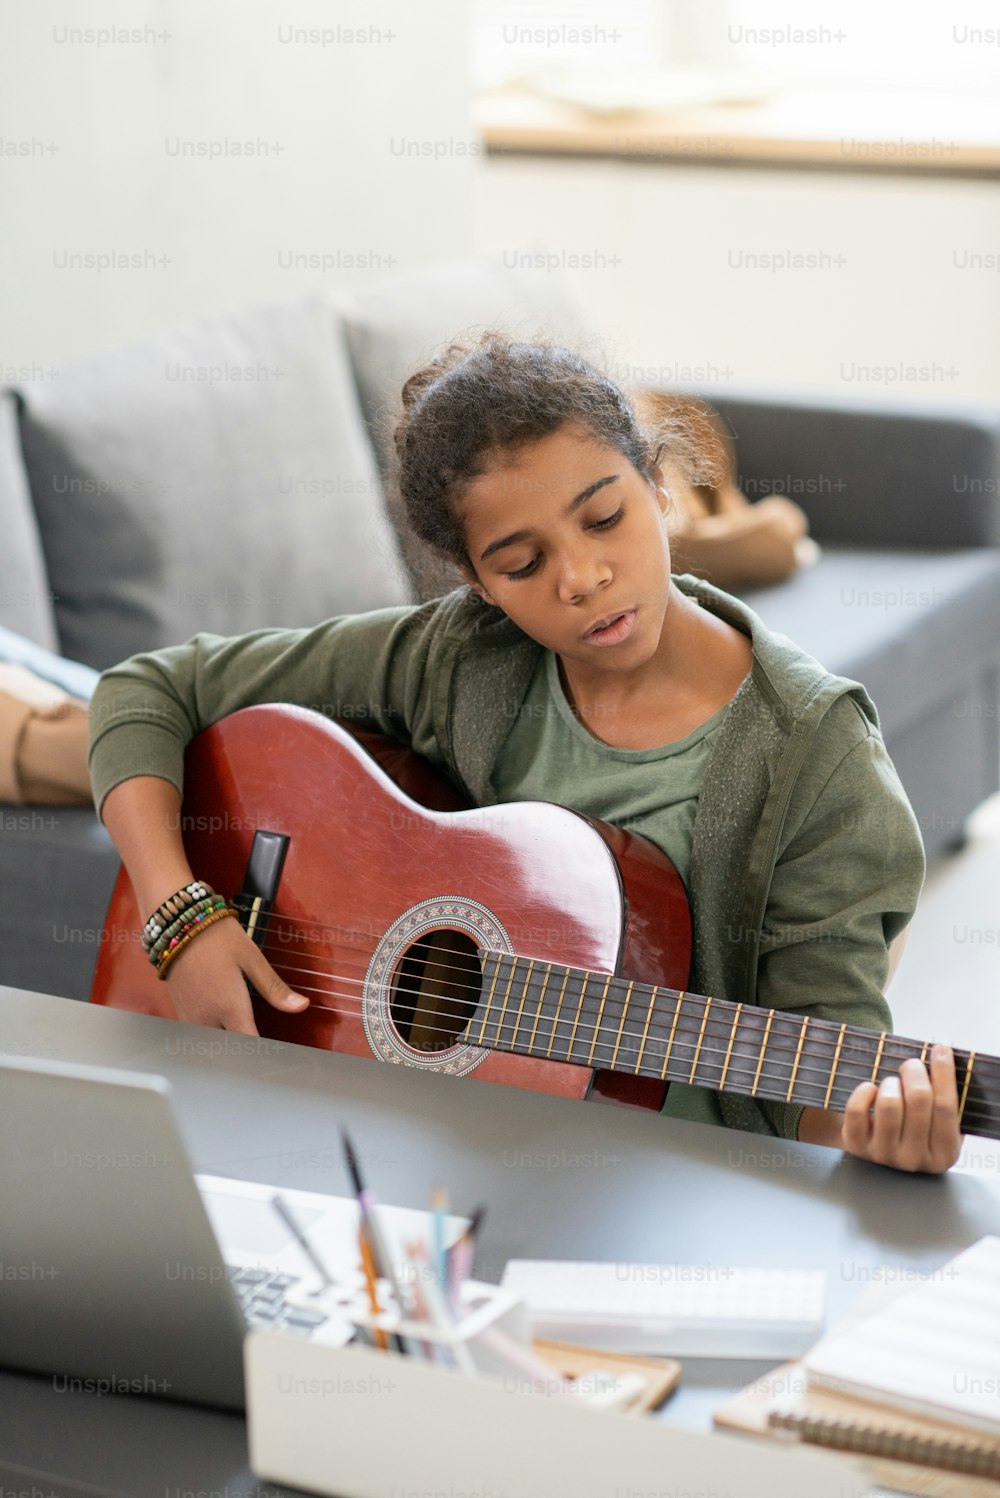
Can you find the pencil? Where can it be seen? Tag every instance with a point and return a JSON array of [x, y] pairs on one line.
[[439, 1202], [368, 1265]]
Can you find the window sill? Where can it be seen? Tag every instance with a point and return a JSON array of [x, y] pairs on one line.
[[854, 132]]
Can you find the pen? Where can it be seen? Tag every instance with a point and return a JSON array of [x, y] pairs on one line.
[[432, 1353], [437, 1312], [285, 1213], [369, 1222], [460, 1257]]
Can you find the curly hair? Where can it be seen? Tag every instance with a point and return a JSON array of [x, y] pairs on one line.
[[473, 403]]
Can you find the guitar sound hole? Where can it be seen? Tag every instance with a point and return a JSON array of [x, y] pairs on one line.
[[435, 989]]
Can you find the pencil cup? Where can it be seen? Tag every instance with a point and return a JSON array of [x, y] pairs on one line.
[[482, 1308]]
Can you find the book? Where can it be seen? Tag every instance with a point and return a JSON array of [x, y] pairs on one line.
[[911, 1387], [909, 1454], [934, 1350]]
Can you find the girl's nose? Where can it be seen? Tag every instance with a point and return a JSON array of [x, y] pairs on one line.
[[580, 575]]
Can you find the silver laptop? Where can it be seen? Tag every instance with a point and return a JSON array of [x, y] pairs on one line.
[[123, 1272]]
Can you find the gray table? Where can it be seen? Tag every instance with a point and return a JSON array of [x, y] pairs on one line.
[[560, 1179]]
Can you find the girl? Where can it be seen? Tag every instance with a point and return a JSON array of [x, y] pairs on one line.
[[572, 667]]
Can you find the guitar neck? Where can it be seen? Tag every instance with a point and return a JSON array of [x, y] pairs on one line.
[[536, 1008]]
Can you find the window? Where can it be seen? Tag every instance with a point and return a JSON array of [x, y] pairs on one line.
[[514, 40], [885, 45]]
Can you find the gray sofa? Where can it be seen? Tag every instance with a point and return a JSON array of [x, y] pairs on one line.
[[230, 475]]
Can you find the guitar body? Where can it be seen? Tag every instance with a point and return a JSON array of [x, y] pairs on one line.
[[387, 888]]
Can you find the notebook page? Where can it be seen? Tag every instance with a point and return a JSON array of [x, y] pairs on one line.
[[933, 1350]]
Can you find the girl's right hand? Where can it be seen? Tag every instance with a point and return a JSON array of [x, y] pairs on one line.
[[207, 980]]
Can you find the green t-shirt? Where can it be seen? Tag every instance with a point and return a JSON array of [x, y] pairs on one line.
[[550, 756]]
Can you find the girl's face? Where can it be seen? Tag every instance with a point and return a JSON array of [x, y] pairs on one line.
[[564, 534]]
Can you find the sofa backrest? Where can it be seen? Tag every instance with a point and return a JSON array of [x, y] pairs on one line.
[[215, 477], [901, 475], [401, 323], [230, 474]]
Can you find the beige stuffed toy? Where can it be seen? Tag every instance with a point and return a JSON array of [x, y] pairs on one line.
[[717, 533]]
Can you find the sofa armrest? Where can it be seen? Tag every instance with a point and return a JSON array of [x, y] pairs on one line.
[[888, 475], [74, 677]]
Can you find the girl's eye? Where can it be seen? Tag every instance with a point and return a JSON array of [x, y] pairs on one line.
[[597, 525], [523, 571]]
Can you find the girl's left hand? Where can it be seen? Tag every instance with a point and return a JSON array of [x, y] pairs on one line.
[[908, 1121]]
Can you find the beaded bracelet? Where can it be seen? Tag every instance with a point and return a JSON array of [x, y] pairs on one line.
[[171, 908], [180, 926], [203, 923], [177, 928]]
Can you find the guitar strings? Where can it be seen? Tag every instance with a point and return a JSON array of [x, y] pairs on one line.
[[815, 1038], [791, 1021], [983, 1064], [841, 1090], [681, 1041]]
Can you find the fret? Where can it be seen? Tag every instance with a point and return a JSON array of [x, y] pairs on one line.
[[673, 1031], [576, 1017], [878, 1057], [760, 1059], [798, 1058], [659, 1030], [856, 1067], [520, 1007], [695, 1057], [701, 1037], [618, 1038], [538, 1011], [980, 1095], [597, 1023], [645, 1030], [558, 1012], [965, 1084], [496, 958], [778, 1059], [835, 1058], [833, 1069], [923, 1051], [566, 1045], [729, 1047], [855, 1061], [487, 1016], [742, 1050], [498, 1041]]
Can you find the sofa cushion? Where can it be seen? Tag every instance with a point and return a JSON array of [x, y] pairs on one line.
[[25, 601], [404, 321], [913, 627], [215, 477]]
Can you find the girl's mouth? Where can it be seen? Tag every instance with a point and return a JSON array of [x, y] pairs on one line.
[[619, 628]]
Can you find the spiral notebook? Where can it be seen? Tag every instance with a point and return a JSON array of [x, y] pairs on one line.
[[914, 1387]]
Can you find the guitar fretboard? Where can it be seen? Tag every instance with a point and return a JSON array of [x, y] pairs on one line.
[[536, 1008]]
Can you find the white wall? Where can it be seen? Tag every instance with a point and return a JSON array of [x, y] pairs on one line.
[[94, 124], [892, 305]]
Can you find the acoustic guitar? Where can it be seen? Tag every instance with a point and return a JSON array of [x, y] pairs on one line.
[[522, 943]]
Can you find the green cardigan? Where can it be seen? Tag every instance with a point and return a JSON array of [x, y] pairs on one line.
[[806, 858]]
